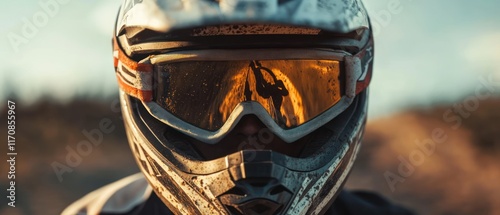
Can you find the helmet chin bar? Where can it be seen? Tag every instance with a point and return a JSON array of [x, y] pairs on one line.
[[256, 186], [248, 181]]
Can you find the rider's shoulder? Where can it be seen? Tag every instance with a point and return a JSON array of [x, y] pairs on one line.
[[119, 197], [363, 202]]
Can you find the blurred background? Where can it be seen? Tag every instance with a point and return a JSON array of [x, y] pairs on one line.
[[432, 141]]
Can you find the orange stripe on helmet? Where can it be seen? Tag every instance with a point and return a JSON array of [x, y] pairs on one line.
[[143, 95], [362, 85], [122, 57], [115, 62]]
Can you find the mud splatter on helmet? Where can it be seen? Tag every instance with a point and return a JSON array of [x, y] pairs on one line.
[[190, 71]]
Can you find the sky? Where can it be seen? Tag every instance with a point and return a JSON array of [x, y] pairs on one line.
[[426, 51]]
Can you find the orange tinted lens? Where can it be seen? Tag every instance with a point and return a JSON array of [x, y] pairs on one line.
[[205, 93]]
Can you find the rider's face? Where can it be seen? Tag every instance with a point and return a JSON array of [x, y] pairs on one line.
[[250, 134]]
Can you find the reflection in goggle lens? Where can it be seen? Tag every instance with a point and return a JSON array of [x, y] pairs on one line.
[[204, 93]]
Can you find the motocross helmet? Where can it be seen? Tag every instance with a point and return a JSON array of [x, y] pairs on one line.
[[244, 106]]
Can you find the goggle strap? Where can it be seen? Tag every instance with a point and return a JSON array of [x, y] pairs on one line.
[[134, 78]]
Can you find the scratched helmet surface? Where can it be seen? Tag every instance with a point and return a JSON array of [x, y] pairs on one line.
[[191, 72]]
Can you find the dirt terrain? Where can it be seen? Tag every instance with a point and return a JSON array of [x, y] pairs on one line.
[[422, 161]]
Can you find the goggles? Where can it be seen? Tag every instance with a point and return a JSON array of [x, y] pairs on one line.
[[203, 95]]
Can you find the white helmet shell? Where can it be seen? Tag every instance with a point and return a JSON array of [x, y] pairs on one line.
[[237, 180], [164, 16]]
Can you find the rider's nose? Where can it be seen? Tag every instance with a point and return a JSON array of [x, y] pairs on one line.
[[249, 125]]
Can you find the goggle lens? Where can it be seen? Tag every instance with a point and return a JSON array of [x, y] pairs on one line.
[[205, 93]]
